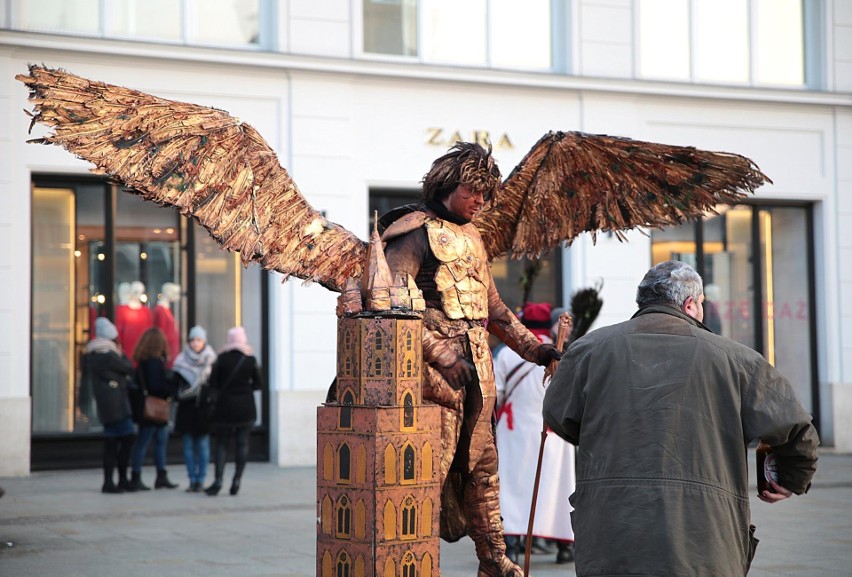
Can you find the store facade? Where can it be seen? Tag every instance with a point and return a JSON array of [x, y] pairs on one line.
[[357, 134]]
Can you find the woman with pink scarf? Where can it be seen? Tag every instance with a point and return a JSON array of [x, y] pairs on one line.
[[235, 377]]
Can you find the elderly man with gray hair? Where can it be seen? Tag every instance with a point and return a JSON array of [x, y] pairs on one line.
[[662, 411]]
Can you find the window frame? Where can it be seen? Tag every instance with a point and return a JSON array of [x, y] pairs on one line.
[[561, 30], [267, 36], [812, 50]]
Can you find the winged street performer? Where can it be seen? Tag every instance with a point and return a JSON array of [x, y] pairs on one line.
[[220, 171]]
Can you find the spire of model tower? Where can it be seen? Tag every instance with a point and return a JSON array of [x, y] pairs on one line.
[[377, 279]]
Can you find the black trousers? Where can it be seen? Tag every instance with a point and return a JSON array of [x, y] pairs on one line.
[[223, 436]]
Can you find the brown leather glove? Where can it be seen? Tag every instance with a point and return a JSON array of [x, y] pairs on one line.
[[546, 353], [458, 374]]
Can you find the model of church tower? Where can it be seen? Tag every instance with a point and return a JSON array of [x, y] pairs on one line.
[[378, 445]]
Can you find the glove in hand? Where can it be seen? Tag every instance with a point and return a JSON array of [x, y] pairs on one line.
[[546, 353], [457, 375]]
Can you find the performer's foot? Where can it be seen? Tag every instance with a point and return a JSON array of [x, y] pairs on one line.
[[500, 567]]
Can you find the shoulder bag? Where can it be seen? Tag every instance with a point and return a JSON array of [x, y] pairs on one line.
[[155, 409]]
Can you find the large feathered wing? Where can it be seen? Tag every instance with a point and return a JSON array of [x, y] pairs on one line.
[[201, 160], [572, 182]]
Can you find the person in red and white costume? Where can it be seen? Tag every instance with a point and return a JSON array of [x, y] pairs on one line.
[[520, 392]]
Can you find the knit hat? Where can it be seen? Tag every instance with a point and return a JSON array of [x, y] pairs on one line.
[[237, 336], [536, 317], [104, 329], [197, 332], [237, 340]]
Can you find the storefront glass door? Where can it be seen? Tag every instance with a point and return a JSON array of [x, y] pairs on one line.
[[756, 262]]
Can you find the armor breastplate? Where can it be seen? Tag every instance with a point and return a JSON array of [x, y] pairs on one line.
[[462, 275]]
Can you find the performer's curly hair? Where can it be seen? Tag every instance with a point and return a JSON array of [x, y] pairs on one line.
[[466, 163]]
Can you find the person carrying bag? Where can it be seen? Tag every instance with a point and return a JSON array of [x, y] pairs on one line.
[[155, 389]]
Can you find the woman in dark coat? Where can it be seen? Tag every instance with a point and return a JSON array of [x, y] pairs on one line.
[[150, 355], [235, 377], [109, 371]]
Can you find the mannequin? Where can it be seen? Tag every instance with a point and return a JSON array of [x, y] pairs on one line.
[[132, 319], [164, 319]]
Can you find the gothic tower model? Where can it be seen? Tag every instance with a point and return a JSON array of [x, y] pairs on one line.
[[378, 445]]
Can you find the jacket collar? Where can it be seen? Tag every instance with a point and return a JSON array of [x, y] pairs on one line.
[[670, 310]]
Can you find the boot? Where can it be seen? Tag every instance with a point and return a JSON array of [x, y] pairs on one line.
[[163, 482], [136, 482], [110, 487], [565, 554], [485, 527], [123, 483], [235, 486], [214, 489]]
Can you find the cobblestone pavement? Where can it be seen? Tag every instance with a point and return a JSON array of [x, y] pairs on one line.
[[59, 524]]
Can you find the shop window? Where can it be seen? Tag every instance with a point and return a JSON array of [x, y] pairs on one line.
[[206, 22], [756, 283], [495, 33], [758, 42], [99, 251]]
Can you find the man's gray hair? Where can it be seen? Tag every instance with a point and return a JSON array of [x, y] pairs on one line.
[[670, 282]]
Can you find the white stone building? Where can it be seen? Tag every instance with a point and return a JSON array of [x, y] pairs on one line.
[[357, 97]]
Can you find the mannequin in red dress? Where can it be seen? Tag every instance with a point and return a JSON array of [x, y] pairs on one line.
[[132, 319], [164, 319]]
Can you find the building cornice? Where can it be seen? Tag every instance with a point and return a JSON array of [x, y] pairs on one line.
[[400, 69]]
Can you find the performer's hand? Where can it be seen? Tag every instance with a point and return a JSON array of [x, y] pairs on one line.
[[546, 353], [778, 493], [457, 375]]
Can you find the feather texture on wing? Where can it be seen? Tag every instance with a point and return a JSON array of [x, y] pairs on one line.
[[204, 162], [572, 182]]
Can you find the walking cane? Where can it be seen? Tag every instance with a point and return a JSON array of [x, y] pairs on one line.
[[562, 333]]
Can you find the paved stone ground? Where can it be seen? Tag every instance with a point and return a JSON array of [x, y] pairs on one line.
[[59, 524]]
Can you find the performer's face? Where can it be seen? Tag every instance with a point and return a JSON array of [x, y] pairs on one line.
[[464, 202]]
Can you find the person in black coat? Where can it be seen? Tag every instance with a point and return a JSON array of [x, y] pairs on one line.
[[235, 377], [108, 372], [155, 380]]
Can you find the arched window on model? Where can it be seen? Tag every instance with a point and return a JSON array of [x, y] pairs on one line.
[[408, 410], [390, 465], [426, 518], [344, 518], [346, 410], [408, 463], [344, 565], [390, 521], [343, 464], [426, 461], [409, 569], [409, 518]]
